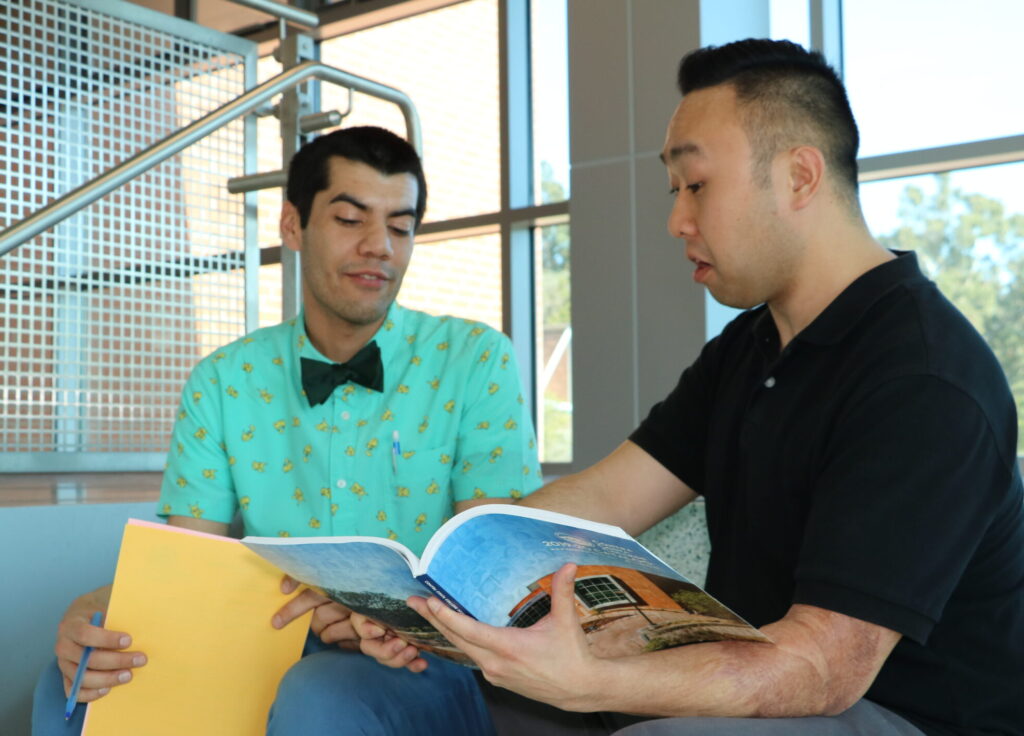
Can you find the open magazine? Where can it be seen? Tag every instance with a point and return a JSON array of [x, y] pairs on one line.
[[495, 563]]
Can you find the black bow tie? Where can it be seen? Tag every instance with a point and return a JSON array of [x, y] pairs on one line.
[[319, 379]]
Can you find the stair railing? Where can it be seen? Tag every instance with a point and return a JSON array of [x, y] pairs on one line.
[[160, 151]]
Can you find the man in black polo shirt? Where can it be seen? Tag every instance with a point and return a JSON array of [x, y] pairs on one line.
[[853, 436]]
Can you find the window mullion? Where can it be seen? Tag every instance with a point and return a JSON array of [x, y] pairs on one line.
[[942, 158], [517, 189]]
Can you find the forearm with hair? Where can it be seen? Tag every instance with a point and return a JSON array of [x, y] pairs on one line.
[[820, 663]]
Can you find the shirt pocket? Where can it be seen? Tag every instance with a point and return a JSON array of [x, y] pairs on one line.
[[422, 473], [423, 499]]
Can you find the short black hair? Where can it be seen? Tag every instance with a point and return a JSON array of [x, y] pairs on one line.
[[787, 96], [309, 172]]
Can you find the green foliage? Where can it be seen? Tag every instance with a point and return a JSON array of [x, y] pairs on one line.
[[556, 239], [557, 306], [550, 189], [974, 251], [555, 262], [557, 313]]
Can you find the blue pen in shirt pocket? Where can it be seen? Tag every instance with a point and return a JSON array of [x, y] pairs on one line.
[[396, 451]]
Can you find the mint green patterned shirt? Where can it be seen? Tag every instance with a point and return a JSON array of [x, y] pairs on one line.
[[246, 437]]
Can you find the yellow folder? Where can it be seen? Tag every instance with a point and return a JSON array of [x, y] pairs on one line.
[[199, 606]]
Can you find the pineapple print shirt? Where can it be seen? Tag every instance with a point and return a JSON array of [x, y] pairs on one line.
[[246, 437]]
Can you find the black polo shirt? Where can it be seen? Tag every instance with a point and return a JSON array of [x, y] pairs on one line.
[[868, 468]]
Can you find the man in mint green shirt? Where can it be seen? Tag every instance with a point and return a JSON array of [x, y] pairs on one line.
[[449, 426], [357, 417]]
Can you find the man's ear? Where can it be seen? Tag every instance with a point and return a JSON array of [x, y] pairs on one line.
[[805, 175], [291, 227]]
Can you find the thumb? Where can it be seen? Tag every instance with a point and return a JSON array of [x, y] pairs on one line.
[[288, 584], [563, 595]]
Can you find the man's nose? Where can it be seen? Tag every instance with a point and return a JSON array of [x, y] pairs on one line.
[[681, 220], [376, 242]]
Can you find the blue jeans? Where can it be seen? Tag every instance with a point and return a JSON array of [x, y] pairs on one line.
[[342, 693], [48, 706], [331, 691]]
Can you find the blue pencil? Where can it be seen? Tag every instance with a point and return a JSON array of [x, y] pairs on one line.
[[69, 709]]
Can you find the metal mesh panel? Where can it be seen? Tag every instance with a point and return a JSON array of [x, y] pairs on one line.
[[102, 316]]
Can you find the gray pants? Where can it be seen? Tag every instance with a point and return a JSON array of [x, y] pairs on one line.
[[864, 718], [514, 715]]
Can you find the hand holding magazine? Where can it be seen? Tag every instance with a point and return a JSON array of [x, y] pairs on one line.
[[495, 563]]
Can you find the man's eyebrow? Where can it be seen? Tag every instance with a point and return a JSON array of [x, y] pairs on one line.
[[685, 149], [342, 197]]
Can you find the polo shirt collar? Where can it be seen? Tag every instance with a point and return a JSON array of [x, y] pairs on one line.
[[847, 309]]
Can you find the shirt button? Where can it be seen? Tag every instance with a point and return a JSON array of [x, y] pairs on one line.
[[341, 483], [345, 415], [770, 382]]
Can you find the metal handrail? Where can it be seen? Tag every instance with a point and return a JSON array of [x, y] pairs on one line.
[[146, 159]]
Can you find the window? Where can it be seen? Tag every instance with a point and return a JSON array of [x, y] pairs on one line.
[[458, 275], [967, 228], [533, 612], [789, 20], [932, 74], [447, 61], [490, 82], [553, 314], [268, 204], [549, 75], [929, 121], [602, 591]]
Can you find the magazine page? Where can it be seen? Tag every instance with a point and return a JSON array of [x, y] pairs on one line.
[[499, 567], [369, 575], [553, 517]]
